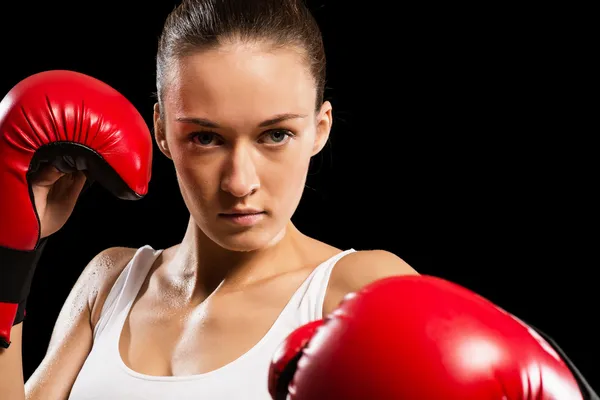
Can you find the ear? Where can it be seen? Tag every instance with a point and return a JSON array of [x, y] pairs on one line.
[[324, 122], [159, 132]]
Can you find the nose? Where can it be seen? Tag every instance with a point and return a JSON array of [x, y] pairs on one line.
[[240, 178]]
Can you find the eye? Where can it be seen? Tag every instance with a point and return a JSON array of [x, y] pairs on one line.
[[277, 136], [205, 139]]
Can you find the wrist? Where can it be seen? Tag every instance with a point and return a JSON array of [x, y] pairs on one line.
[[16, 273]]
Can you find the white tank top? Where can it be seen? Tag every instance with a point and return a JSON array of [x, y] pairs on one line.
[[104, 375]]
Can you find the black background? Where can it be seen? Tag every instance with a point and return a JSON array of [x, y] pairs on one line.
[[407, 87]]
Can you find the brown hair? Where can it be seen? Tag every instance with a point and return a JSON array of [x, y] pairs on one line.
[[197, 25]]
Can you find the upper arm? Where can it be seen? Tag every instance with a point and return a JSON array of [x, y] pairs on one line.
[[71, 339], [359, 269]]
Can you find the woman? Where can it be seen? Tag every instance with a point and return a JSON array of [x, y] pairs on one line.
[[240, 113]]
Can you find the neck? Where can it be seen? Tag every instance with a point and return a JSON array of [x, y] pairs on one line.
[[201, 265]]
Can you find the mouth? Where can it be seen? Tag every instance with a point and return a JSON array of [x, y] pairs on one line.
[[243, 218]]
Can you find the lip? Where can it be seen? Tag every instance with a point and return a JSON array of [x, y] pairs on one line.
[[242, 211], [243, 217]]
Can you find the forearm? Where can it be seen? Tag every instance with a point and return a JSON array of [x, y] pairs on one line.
[[11, 368]]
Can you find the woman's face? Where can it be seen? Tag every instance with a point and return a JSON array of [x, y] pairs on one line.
[[240, 125]]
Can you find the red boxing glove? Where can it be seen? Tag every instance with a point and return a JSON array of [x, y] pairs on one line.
[[419, 337], [74, 122], [283, 365]]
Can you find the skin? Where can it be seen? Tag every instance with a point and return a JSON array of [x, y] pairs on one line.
[[240, 161]]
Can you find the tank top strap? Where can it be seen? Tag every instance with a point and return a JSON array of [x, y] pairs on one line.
[[310, 296], [126, 287]]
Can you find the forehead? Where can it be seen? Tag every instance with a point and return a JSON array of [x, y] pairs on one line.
[[241, 81]]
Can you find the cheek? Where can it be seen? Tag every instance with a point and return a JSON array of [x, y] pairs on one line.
[[286, 180], [196, 182]]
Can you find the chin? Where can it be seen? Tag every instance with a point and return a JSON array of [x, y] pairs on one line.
[[249, 240]]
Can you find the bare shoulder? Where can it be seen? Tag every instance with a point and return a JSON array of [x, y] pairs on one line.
[[359, 269], [72, 336], [100, 275]]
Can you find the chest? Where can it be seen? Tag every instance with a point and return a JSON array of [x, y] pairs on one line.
[[161, 339]]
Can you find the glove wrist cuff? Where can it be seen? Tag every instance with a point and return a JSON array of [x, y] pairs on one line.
[[16, 273]]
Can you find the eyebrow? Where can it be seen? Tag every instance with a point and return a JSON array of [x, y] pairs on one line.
[[271, 121]]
